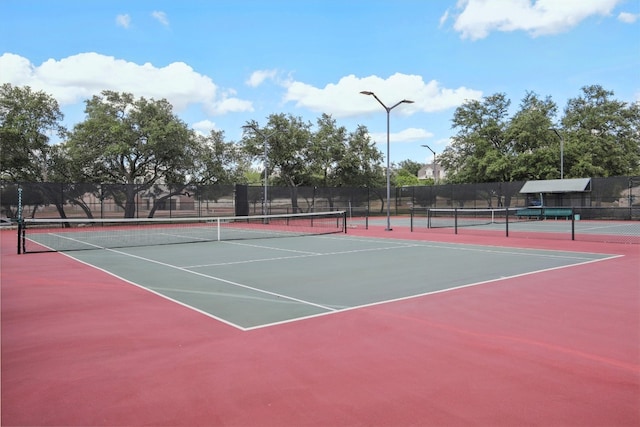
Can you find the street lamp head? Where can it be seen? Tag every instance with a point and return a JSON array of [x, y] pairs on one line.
[[407, 101], [426, 146], [366, 92]]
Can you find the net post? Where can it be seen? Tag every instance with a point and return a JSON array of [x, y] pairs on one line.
[[455, 220], [218, 227], [573, 224], [344, 221], [19, 234], [411, 221], [20, 223], [506, 221], [22, 247], [366, 220]]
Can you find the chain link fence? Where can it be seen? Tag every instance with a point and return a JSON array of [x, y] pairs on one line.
[[610, 198]]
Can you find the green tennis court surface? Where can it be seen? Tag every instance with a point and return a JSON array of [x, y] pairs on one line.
[[250, 284]]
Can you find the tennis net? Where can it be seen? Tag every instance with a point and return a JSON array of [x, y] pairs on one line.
[[458, 217], [51, 235]]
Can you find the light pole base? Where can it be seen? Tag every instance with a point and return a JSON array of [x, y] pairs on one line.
[[388, 229]]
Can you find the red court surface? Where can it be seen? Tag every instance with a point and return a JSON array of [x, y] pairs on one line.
[[557, 348]]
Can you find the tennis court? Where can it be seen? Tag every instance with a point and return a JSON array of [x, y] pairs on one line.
[[251, 284], [367, 327], [493, 222]]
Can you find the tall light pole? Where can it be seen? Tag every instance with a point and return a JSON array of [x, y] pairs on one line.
[[561, 151], [434, 162], [388, 110], [265, 161]]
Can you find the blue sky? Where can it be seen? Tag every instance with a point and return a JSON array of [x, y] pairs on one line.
[[222, 63]]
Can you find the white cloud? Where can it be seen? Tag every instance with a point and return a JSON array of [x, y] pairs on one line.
[[203, 127], [258, 77], [161, 17], [123, 21], [477, 18], [343, 99], [78, 77], [443, 18], [628, 18], [406, 135]]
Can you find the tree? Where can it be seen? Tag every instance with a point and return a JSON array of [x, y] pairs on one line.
[[600, 138], [361, 165], [410, 166], [406, 174], [137, 143], [27, 119], [218, 161], [602, 135], [329, 145], [288, 148], [289, 156], [480, 151], [536, 148]]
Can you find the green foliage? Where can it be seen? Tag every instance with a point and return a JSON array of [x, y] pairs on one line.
[[125, 140], [536, 148], [480, 151], [602, 135], [129, 141], [599, 137], [27, 119], [217, 161], [406, 174], [287, 140], [411, 167], [404, 178], [298, 156], [361, 165], [328, 148]]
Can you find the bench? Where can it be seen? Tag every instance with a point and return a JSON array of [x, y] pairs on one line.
[[540, 213], [529, 213], [556, 213]]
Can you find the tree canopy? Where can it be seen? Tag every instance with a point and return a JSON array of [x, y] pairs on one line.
[[330, 156], [596, 137], [27, 119], [125, 140], [129, 140]]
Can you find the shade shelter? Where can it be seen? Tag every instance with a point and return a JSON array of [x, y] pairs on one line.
[[558, 192]]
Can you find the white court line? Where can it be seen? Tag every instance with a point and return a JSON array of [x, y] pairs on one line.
[[223, 294], [303, 255], [606, 226], [147, 289], [262, 291], [282, 322], [333, 310], [399, 245], [477, 247], [277, 249]]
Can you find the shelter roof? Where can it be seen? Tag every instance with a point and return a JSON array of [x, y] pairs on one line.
[[576, 185]]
